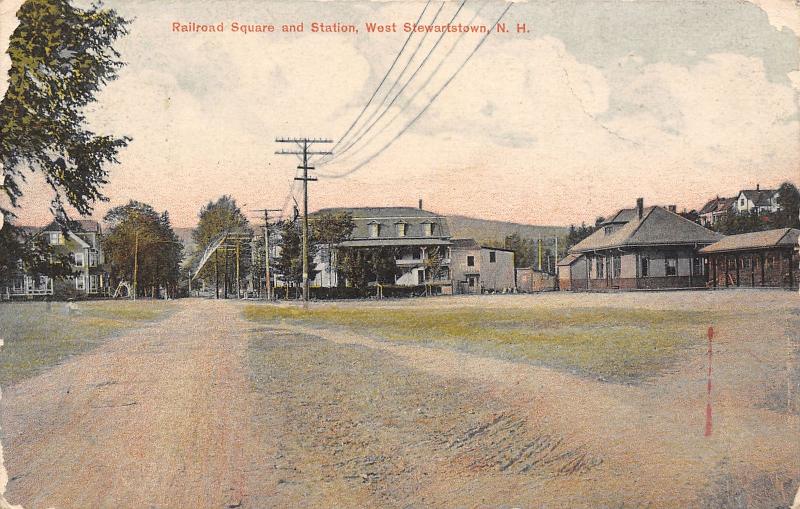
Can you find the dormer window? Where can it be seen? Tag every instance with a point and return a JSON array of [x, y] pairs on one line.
[[427, 228], [401, 228], [374, 229], [608, 230]]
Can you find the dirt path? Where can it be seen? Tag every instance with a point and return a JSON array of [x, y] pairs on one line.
[[207, 410], [155, 418]]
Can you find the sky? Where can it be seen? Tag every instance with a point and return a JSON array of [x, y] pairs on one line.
[[595, 104]]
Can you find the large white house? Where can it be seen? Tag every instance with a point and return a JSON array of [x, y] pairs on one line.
[[757, 200]]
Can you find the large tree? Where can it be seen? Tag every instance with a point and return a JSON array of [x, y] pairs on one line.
[[328, 230], [217, 217], [789, 203], [61, 56], [142, 241]]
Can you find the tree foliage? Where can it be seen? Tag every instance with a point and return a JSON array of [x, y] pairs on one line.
[[216, 217], [61, 56], [329, 229], [139, 235], [289, 264], [29, 253], [360, 267]]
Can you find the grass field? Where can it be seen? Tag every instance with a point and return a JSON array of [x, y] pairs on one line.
[[617, 344], [38, 335]]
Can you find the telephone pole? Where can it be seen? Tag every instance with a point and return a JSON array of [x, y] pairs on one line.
[[303, 146], [268, 286]]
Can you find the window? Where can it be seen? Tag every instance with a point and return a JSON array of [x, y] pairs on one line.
[[19, 284], [746, 262], [93, 258], [741, 203], [416, 253], [470, 261], [671, 266], [401, 229], [93, 283], [645, 267], [608, 230], [374, 229], [600, 265], [56, 238], [80, 283], [697, 266], [428, 229], [492, 257], [78, 259], [616, 263], [471, 281]]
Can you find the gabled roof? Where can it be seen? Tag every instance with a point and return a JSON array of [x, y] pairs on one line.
[[717, 205], [658, 226], [755, 240], [759, 197], [76, 225]]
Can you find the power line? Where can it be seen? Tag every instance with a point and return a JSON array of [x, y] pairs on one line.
[[419, 90], [425, 108], [396, 58], [365, 128]]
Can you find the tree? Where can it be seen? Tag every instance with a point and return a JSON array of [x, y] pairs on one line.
[[576, 235], [363, 266], [60, 58], [215, 218], [142, 241], [789, 203], [434, 263], [30, 253], [290, 260], [328, 229]]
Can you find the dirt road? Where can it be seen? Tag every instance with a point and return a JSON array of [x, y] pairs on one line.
[[207, 410]]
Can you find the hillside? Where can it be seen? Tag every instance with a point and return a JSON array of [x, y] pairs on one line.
[[488, 231]]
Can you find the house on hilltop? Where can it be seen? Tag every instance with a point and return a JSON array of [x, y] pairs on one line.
[[715, 209], [640, 248], [757, 200]]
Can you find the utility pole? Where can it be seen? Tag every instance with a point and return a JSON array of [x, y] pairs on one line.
[[135, 261], [268, 286], [303, 145]]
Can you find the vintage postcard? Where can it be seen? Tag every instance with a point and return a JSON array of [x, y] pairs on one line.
[[354, 253]]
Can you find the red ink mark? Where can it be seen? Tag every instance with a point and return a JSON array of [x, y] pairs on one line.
[[708, 387]]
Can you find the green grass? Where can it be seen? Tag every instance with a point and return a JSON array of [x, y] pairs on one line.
[[38, 335], [620, 345]]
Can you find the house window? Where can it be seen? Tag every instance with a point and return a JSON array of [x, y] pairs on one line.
[[645, 267], [19, 284], [78, 259], [471, 281], [600, 266], [470, 261], [374, 230], [741, 203], [746, 262], [80, 283], [697, 266], [401, 229], [93, 258], [56, 238], [616, 262], [416, 253], [671, 266], [428, 228], [492, 257], [608, 230], [93, 283]]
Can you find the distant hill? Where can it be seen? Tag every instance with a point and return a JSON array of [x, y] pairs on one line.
[[487, 231]]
